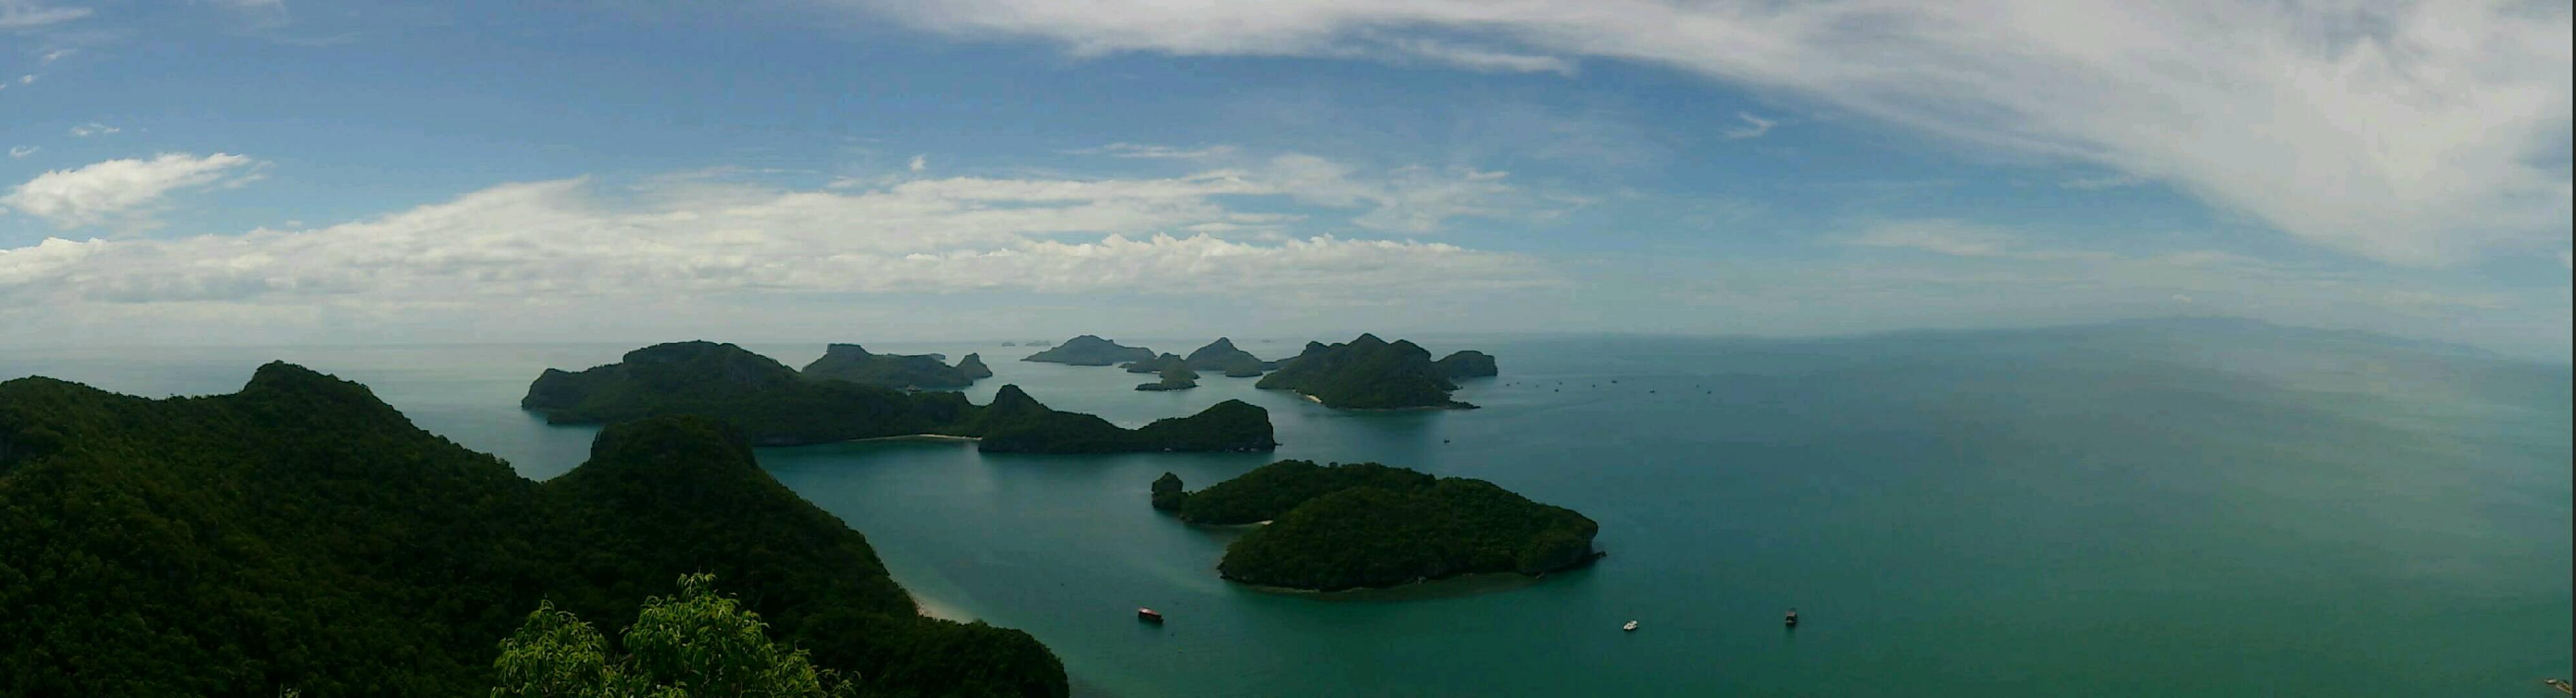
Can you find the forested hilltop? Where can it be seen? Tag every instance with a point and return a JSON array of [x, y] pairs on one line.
[[1336, 527], [1372, 373], [854, 363], [775, 406], [302, 535]]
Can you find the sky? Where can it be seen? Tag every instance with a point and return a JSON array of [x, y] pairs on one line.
[[322, 171]]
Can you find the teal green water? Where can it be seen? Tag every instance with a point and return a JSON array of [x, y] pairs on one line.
[[2133, 511]]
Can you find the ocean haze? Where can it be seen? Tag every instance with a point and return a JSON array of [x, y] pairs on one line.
[[2151, 508]]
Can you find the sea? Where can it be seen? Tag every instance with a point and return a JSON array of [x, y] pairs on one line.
[[2167, 508]]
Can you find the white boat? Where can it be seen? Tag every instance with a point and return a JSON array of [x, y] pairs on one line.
[[1630, 627]]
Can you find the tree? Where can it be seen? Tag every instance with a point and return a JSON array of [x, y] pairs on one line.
[[699, 644]]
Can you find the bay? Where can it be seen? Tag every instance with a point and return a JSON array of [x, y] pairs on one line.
[[2140, 509]]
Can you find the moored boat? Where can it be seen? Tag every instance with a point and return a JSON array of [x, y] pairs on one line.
[[1148, 615], [1630, 627]]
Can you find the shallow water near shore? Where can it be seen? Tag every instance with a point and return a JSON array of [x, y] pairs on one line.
[[2123, 511]]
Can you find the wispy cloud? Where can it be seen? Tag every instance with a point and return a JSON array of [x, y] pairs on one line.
[[121, 191], [555, 239], [919, 163], [2103, 182], [1484, 59], [1754, 127], [2411, 132], [93, 129], [24, 14], [1139, 150], [22, 151]]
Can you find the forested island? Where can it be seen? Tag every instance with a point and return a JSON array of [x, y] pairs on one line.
[[302, 536], [1348, 526], [1154, 365], [853, 363], [1221, 356], [1091, 350], [773, 405], [1176, 376], [1371, 373]]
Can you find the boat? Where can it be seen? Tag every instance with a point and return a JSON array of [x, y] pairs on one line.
[[1630, 627], [1148, 615], [1792, 619], [2562, 686]]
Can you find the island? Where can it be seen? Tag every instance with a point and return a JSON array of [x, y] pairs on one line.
[[853, 363], [1017, 423], [1176, 376], [974, 368], [1364, 525], [773, 405], [1153, 365], [1370, 373], [1091, 350], [1167, 492], [302, 533], [1221, 356], [1010, 344], [1466, 364]]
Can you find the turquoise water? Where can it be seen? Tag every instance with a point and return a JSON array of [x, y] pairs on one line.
[[2134, 510]]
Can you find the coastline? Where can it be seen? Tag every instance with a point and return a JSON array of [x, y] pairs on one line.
[[915, 437], [1452, 585]]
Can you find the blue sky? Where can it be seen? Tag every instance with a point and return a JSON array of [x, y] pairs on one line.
[[248, 171]]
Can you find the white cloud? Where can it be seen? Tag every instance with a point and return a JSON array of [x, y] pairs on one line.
[[117, 189], [2409, 131], [23, 14], [1473, 58], [27, 79], [919, 163], [1754, 127], [2103, 182], [55, 55], [1135, 150], [1946, 237], [558, 240], [17, 152], [93, 129]]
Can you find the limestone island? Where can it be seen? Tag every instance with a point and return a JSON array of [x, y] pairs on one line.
[[1090, 350], [850, 362], [772, 405], [1364, 525], [1153, 365], [301, 530], [1175, 377], [1371, 373], [1221, 356], [1463, 364]]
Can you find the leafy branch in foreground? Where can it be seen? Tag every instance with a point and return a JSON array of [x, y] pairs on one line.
[[698, 643]]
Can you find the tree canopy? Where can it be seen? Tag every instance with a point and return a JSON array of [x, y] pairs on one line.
[[1366, 373], [1335, 527], [302, 535]]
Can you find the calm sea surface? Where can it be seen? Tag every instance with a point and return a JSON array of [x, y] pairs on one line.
[[2125, 511]]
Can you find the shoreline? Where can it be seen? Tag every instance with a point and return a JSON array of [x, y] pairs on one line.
[[914, 437], [1457, 584]]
